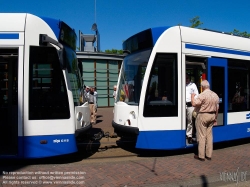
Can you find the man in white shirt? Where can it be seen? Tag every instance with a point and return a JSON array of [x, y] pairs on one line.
[[114, 93], [85, 94], [190, 89]]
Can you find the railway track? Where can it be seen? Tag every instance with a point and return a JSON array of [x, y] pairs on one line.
[[107, 149]]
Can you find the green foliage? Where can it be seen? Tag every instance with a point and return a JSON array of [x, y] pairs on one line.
[[242, 34], [195, 22], [114, 51]]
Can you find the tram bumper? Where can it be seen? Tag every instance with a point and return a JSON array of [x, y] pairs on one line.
[[123, 130], [82, 131]]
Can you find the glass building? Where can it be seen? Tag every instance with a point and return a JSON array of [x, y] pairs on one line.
[[100, 70]]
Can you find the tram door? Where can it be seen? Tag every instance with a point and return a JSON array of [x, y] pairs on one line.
[[217, 77], [8, 101]]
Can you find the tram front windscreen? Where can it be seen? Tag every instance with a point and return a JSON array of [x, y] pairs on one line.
[[131, 78]]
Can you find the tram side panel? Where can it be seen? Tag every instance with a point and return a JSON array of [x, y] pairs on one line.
[[159, 130], [164, 131], [11, 50], [232, 48], [44, 137]]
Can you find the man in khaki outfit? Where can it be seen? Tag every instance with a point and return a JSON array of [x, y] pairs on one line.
[[208, 104]]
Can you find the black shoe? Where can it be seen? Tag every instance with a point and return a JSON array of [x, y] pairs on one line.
[[190, 140], [208, 158], [198, 158]]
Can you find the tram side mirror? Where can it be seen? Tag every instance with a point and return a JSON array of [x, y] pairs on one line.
[[45, 40]]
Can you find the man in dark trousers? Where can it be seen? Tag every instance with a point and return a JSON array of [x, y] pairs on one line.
[[208, 104]]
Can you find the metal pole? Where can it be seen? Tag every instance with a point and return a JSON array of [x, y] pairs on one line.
[[95, 11], [80, 41]]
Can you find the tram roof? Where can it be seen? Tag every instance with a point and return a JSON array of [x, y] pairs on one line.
[[148, 38], [143, 39]]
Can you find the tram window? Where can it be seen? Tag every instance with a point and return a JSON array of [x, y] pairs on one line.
[[238, 85], [48, 97], [161, 96]]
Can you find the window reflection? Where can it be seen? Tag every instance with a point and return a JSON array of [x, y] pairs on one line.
[[238, 85], [161, 96]]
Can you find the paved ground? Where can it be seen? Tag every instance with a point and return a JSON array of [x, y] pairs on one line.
[[116, 167]]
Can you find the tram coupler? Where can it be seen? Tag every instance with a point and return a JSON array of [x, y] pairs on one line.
[[107, 135], [98, 136], [93, 134]]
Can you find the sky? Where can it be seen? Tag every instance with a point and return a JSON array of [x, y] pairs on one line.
[[117, 20]]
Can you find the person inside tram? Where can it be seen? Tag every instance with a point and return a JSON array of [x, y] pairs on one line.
[[238, 101], [150, 94], [191, 88], [131, 92], [122, 96], [164, 97]]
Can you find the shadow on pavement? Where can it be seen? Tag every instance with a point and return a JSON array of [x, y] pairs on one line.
[[204, 181], [130, 146], [231, 143], [88, 148], [99, 116]]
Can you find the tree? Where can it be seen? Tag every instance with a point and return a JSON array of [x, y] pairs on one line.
[[114, 51], [195, 22], [242, 34]]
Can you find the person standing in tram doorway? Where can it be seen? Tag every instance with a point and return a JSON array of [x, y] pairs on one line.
[[191, 88], [208, 103]]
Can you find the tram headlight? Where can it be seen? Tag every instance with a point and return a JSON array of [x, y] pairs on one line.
[[129, 122]]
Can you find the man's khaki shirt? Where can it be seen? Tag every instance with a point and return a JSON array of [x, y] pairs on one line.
[[208, 101]]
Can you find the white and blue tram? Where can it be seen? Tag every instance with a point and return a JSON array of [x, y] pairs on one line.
[[150, 104], [40, 114]]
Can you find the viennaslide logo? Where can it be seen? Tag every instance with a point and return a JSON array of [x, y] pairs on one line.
[[233, 176]]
